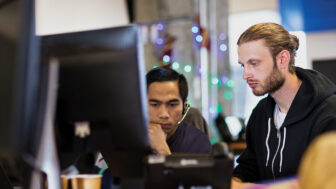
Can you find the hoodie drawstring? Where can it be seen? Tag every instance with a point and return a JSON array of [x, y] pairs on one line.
[[281, 149], [268, 133], [283, 145]]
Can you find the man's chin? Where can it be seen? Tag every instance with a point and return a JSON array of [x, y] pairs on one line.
[[166, 130], [259, 93]]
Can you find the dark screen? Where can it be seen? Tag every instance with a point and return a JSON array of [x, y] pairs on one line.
[[327, 67], [102, 83], [19, 72], [20, 118]]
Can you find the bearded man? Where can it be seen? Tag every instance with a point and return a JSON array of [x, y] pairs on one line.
[[301, 104]]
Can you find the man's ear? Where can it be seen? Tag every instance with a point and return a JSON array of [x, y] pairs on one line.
[[283, 59], [184, 105]]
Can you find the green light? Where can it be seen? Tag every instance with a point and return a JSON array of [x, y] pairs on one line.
[[219, 108], [230, 83], [176, 65], [155, 66], [187, 68], [165, 63], [228, 95], [213, 142], [215, 81]]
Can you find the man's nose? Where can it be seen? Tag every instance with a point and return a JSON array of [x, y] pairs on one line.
[[164, 113], [247, 73]]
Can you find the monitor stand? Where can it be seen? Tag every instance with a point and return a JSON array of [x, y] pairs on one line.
[[47, 159]]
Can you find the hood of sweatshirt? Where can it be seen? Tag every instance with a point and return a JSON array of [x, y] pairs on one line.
[[315, 88]]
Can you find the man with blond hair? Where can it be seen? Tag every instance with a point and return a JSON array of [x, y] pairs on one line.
[[301, 104]]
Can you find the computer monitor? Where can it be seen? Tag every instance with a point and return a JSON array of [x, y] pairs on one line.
[[20, 121], [102, 87], [327, 67], [189, 171], [235, 126], [230, 128], [19, 79]]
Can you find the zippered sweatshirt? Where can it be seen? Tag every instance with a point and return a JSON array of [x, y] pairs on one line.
[[273, 153]]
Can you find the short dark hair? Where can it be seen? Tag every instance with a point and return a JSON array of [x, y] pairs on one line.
[[161, 74], [276, 38]]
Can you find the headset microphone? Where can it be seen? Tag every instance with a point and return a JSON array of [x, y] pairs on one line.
[[185, 112]]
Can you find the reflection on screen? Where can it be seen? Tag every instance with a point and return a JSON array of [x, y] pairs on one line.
[[234, 126]]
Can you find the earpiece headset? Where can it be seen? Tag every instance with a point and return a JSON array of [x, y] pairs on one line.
[[186, 108]]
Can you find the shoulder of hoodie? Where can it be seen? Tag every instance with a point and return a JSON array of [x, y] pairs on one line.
[[260, 111], [324, 116], [327, 109], [263, 106], [327, 104]]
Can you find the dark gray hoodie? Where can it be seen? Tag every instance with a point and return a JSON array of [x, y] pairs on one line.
[[273, 153]]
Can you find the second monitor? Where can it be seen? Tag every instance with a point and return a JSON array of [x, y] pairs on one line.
[[102, 88]]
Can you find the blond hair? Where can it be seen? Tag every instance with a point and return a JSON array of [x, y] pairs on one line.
[[318, 166], [275, 37]]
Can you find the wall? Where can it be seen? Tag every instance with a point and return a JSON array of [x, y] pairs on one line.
[[61, 16], [321, 46], [237, 6]]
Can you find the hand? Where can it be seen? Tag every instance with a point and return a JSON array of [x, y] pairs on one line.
[[236, 183], [157, 139]]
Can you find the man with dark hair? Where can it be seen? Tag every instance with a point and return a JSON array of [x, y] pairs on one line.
[[300, 105], [167, 97], [167, 93]]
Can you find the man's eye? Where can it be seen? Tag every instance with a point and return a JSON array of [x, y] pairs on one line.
[[154, 105], [254, 63], [173, 105]]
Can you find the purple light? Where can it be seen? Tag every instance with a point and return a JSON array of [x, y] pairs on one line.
[[198, 70], [159, 26], [224, 78], [222, 36], [159, 41]]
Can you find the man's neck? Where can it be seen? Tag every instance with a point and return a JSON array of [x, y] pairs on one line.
[[286, 94], [173, 132]]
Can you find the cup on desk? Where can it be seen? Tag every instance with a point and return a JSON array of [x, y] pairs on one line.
[[65, 179], [82, 181]]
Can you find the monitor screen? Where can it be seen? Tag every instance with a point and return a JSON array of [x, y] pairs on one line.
[[20, 94], [20, 127], [235, 126], [327, 67], [102, 86]]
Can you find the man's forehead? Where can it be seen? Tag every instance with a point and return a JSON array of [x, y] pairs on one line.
[[164, 91], [252, 50], [164, 87], [162, 83]]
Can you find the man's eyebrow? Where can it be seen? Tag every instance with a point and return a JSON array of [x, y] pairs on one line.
[[154, 100], [173, 100], [169, 101], [250, 60], [253, 59]]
